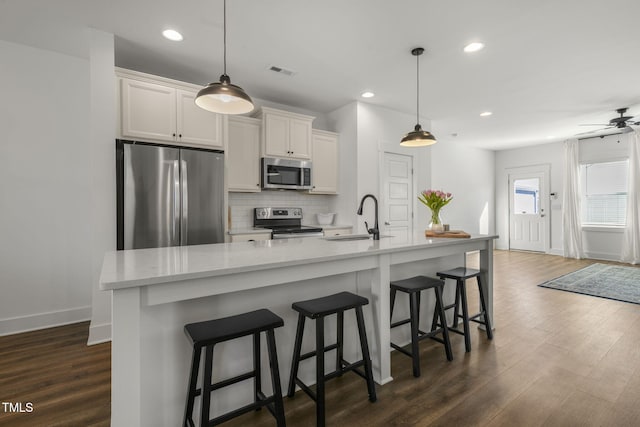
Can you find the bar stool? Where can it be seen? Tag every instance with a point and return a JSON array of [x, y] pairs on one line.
[[413, 286], [209, 333], [460, 275], [318, 309]]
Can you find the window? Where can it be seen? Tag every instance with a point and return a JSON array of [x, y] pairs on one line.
[[526, 198], [604, 193]]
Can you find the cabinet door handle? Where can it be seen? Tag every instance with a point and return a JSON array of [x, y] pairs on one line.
[[179, 135], [174, 135]]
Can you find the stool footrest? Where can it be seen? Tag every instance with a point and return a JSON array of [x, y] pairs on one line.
[[313, 353], [400, 322], [346, 367], [236, 379], [475, 318], [248, 408], [306, 389]]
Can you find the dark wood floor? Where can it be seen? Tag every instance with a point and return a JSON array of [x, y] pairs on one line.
[[557, 359]]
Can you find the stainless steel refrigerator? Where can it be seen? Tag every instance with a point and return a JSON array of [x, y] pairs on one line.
[[168, 196]]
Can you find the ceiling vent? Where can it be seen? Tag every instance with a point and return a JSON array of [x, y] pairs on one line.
[[281, 70]]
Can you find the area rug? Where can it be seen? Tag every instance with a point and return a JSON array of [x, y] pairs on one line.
[[601, 280]]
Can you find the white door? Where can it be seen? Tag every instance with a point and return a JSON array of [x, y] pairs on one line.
[[528, 219], [397, 197]]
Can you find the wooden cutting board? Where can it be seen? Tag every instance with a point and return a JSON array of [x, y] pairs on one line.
[[451, 233]]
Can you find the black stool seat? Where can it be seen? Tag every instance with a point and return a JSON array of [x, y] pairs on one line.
[[460, 275], [318, 309], [205, 335], [324, 306], [413, 286], [228, 328], [416, 284]]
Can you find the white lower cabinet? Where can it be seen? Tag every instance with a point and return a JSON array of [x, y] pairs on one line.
[[336, 231], [250, 237]]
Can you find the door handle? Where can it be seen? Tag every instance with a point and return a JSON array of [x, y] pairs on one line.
[[541, 215], [386, 223]]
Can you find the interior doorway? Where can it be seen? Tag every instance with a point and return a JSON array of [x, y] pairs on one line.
[[528, 208], [396, 215]]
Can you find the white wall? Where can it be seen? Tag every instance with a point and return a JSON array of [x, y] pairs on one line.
[[600, 243], [380, 130], [468, 174], [345, 121], [367, 130], [545, 154], [103, 211], [45, 188]]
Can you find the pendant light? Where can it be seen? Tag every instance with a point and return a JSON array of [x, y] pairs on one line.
[[418, 137], [224, 97]]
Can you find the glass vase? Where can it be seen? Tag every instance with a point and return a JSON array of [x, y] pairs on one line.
[[436, 225]]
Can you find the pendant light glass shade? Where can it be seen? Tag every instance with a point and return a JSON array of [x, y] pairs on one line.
[[418, 137], [224, 97]]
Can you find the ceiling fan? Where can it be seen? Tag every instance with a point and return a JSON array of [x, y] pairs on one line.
[[623, 123]]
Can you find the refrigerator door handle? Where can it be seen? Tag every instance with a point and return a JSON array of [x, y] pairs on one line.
[[175, 209], [184, 203]]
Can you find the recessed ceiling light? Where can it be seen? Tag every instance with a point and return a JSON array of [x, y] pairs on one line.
[[486, 114], [550, 136], [368, 94], [474, 47], [172, 35]]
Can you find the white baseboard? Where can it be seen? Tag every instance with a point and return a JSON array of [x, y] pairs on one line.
[[556, 252], [99, 334], [44, 320], [602, 256]]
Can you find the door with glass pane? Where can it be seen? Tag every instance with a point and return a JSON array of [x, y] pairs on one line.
[[528, 219]]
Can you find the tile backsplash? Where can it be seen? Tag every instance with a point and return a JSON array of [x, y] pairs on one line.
[[241, 205]]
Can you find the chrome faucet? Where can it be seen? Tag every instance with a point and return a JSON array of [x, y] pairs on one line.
[[373, 231]]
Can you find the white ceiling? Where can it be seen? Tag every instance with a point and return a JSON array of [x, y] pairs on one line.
[[547, 67]]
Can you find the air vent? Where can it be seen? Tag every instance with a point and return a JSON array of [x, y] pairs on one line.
[[281, 70]]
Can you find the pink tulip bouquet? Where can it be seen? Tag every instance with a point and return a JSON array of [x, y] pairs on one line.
[[435, 200]]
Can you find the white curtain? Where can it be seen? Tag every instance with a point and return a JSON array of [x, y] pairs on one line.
[[631, 240], [571, 223]]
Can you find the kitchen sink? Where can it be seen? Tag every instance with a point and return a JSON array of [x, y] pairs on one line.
[[350, 237]]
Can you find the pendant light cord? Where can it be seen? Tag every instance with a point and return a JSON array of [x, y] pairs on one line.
[[224, 38], [417, 88]]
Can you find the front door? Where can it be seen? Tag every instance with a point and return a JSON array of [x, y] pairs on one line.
[[528, 220], [397, 213]]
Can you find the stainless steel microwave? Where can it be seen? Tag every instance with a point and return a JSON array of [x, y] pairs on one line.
[[287, 174]]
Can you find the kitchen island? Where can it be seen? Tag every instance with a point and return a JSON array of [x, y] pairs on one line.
[[157, 291]]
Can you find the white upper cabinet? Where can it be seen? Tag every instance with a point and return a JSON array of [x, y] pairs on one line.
[[195, 125], [324, 160], [148, 110], [285, 134], [243, 154], [160, 111]]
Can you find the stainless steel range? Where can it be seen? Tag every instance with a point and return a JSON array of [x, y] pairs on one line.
[[285, 223]]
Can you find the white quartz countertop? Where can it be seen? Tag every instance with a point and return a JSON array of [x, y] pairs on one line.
[[144, 267]]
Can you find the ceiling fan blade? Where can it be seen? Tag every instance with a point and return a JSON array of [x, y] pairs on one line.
[[586, 133], [594, 124]]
